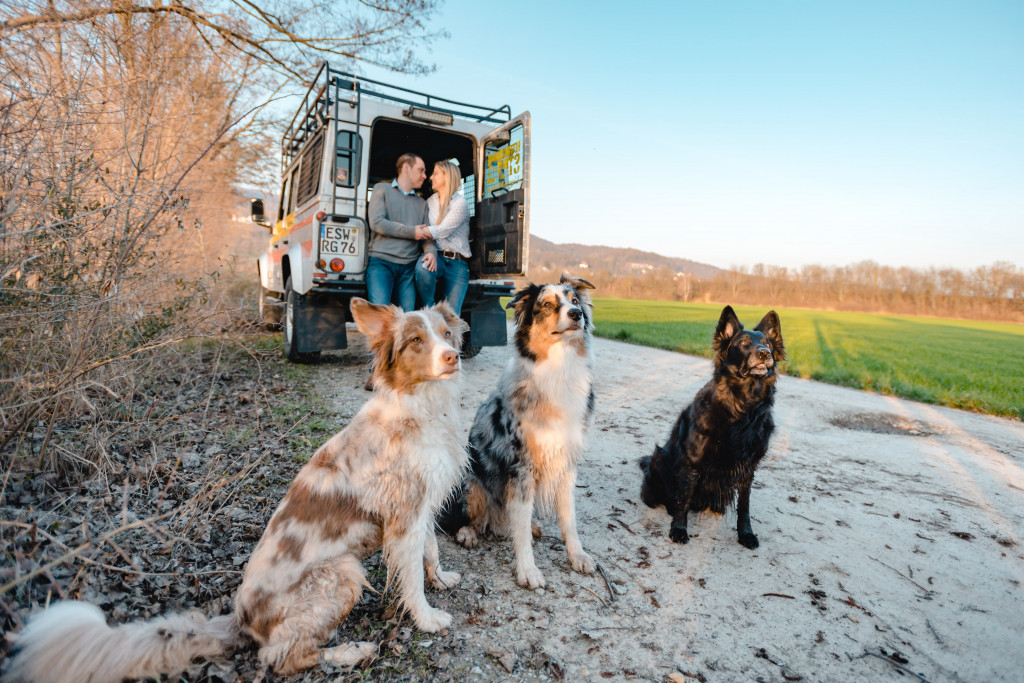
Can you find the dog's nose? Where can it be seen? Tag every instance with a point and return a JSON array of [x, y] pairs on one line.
[[450, 357], [575, 313], [763, 353]]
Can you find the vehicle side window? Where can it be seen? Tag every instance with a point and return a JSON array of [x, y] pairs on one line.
[[309, 177], [469, 192], [283, 202], [503, 168], [346, 165], [291, 189]]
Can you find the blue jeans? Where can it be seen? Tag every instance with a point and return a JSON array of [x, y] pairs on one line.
[[453, 274], [381, 280]]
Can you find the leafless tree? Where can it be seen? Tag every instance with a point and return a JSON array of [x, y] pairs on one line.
[[123, 127]]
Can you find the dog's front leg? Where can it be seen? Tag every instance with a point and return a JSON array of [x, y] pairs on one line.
[[519, 512], [565, 502], [681, 507], [743, 529], [437, 578], [404, 549]]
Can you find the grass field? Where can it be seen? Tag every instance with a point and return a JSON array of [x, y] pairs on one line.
[[960, 363]]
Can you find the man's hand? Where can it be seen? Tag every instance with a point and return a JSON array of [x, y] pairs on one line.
[[430, 262], [423, 233]]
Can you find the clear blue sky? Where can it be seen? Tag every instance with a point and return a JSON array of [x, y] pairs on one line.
[[743, 132]]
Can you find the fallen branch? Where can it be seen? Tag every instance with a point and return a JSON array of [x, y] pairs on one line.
[[603, 603], [894, 663], [611, 591], [926, 590]]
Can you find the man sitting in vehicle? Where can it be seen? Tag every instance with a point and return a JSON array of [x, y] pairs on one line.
[[396, 211]]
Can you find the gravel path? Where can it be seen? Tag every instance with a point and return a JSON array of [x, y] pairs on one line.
[[891, 546]]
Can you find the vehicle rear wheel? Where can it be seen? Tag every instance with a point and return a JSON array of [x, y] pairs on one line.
[[291, 331], [468, 350], [268, 314]]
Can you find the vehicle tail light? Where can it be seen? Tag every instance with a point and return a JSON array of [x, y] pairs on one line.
[[337, 265], [320, 215], [322, 264]]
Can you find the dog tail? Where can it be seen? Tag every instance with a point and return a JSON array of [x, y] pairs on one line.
[[652, 491], [453, 515], [71, 642]]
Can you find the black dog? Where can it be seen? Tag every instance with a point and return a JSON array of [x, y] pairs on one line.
[[718, 439]]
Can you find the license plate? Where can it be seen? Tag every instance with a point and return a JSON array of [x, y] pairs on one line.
[[338, 240]]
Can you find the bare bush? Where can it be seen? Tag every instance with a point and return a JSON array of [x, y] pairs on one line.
[[123, 129]]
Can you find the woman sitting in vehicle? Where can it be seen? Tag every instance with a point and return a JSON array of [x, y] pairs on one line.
[[448, 214]]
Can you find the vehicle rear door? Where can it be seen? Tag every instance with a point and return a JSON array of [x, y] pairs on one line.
[[501, 235], [341, 247]]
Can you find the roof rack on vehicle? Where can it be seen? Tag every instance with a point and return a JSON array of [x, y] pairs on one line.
[[330, 87]]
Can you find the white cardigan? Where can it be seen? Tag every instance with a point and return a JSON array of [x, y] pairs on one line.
[[452, 233]]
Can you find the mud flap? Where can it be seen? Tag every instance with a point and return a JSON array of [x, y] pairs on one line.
[[321, 321], [486, 320]]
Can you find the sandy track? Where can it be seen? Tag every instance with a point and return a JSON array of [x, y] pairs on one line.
[[891, 545]]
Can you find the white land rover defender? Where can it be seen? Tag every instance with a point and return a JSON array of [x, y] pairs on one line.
[[346, 136]]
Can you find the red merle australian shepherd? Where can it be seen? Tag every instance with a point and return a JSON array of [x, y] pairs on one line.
[[529, 434], [377, 483], [719, 439]]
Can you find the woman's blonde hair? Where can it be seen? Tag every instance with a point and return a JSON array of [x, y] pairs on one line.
[[454, 179]]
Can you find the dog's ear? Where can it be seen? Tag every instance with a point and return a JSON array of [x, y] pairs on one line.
[[728, 327], [529, 291], [523, 300], [373, 320], [772, 328], [579, 284], [457, 325]]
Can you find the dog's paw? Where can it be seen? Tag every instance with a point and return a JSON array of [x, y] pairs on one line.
[[432, 620], [679, 535], [582, 563], [441, 580], [349, 654], [529, 577], [749, 541], [467, 537], [536, 529]]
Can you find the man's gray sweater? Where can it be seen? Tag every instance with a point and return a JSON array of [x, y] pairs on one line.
[[394, 216]]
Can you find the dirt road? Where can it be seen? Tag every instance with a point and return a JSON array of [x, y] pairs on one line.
[[892, 547]]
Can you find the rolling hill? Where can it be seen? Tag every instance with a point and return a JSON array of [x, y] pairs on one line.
[[547, 257]]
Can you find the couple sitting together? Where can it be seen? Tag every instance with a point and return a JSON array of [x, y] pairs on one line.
[[415, 243]]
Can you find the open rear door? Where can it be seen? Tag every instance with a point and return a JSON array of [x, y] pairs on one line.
[[501, 235]]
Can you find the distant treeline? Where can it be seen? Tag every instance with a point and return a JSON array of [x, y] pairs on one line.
[[994, 292]]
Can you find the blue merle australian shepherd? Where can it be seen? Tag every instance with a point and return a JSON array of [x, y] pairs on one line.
[[719, 439], [529, 434]]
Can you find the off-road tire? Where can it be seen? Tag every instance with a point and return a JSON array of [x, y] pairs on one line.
[[468, 350]]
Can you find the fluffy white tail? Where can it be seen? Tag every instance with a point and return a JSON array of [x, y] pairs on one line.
[[71, 642]]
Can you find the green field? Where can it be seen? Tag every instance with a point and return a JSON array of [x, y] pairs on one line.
[[960, 363]]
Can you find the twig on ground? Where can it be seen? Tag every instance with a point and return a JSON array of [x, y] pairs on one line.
[[623, 525], [18, 623], [603, 603], [812, 521], [54, 585], [901, 574], [611, 590], [777, 595], [894, 663], [932, 629]]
